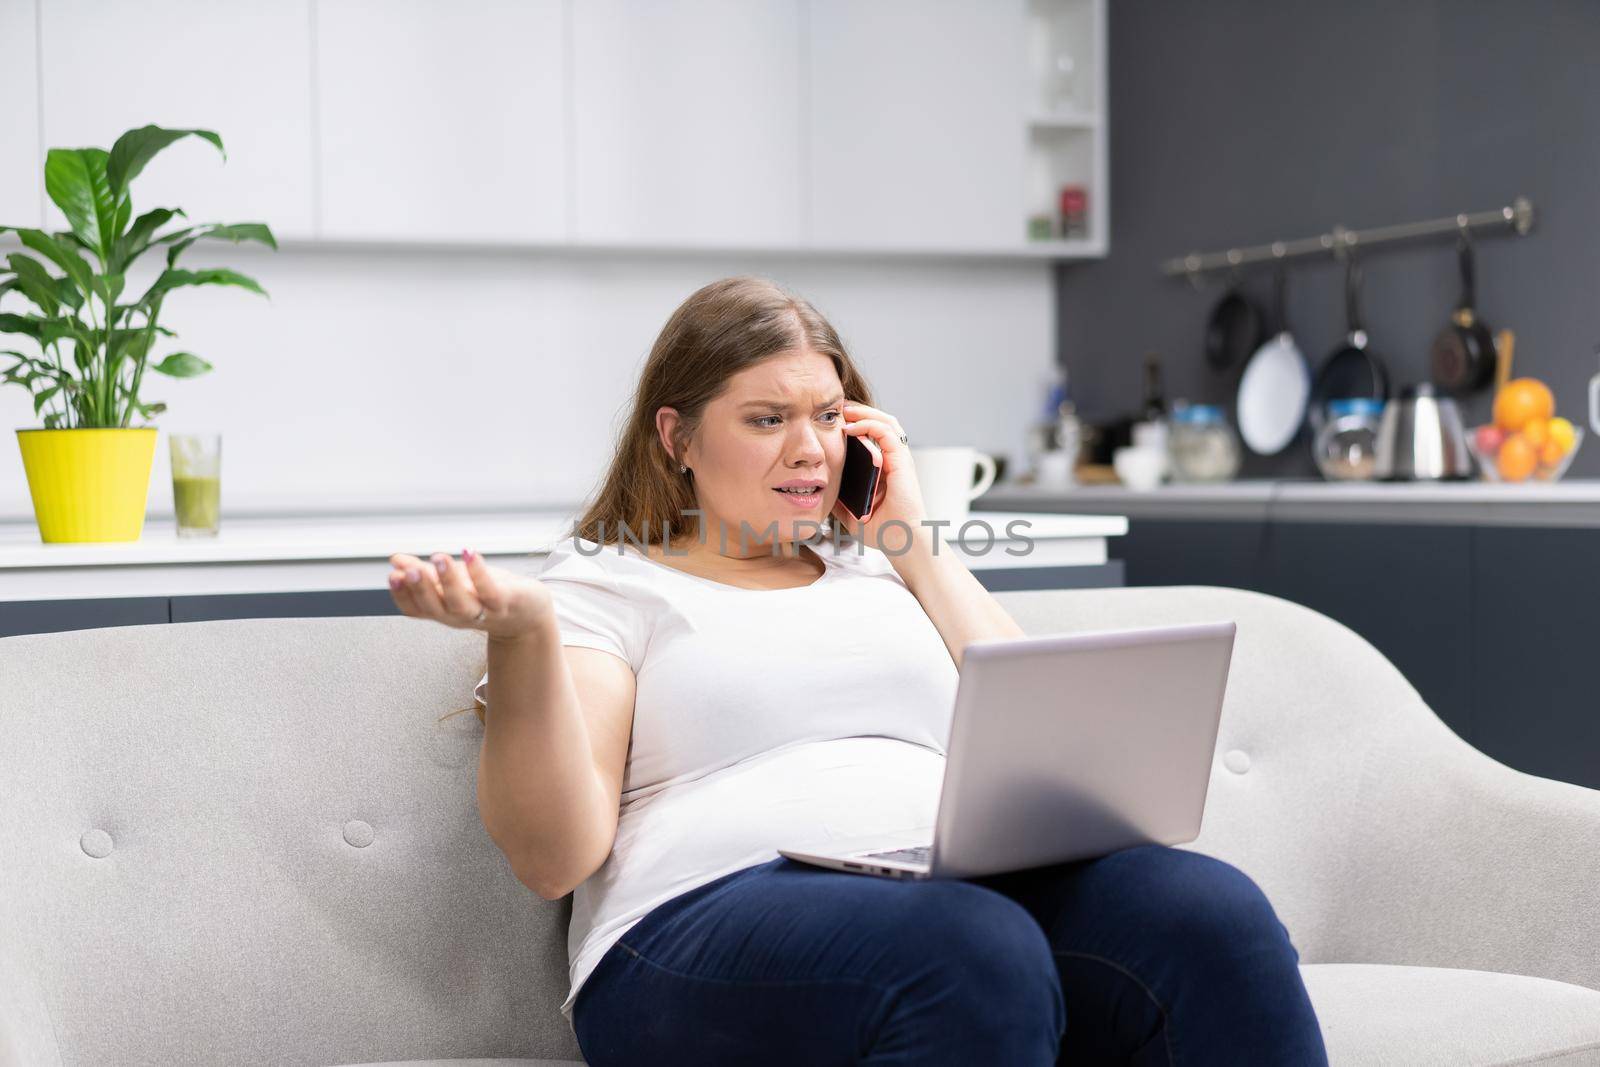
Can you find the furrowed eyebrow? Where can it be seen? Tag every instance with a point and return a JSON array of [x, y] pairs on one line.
[[781, 406]]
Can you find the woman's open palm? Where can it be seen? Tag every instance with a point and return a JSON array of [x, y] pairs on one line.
[[454, 592]]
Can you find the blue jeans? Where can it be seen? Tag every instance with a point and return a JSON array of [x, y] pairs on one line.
[[1149, 955]]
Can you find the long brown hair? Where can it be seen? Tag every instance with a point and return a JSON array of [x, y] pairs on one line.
[[721, 329]]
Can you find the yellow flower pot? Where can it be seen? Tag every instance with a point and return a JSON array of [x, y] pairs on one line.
[[89, 484]]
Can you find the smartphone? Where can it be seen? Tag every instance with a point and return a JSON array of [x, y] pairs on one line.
[[859, 479]]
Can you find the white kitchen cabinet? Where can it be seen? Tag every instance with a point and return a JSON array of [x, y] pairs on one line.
[[442, 121], [21, 165], [915, 123], [1067, 128], [687, 122], [242, 70]]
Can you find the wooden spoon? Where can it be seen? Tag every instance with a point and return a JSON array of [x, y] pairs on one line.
[[1504, 341]]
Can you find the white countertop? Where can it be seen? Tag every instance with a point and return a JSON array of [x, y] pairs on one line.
[[314, 553], [1574, 502]]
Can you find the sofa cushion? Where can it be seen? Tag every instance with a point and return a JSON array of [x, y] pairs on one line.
[[1370, 1012]]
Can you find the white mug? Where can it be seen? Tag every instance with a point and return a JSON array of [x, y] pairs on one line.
[[1594, 403], [945, 474]]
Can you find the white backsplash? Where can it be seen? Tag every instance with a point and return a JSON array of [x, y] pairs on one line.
[[412, 378]]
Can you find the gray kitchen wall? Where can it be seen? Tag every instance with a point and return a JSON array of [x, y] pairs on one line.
[[1240, 122]]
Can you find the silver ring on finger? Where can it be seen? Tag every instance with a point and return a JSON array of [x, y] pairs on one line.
[[903, 439], [483, 613]]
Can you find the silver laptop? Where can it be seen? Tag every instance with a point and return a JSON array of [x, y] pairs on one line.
[[1063, 747]]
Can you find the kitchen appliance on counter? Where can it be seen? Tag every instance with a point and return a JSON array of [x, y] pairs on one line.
[[1203, 445], [1346, 448], [1420, 438]]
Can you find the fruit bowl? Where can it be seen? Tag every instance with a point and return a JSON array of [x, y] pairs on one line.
[[1524, 457]]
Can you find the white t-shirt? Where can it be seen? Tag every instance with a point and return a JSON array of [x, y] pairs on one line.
[[762, 718]]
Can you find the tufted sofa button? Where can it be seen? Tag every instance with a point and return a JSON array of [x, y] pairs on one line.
[[358, 833], [1236, 761], [96, 843]]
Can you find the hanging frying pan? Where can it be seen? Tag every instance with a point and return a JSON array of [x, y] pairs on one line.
[[1463, 356], [1234, 329], [1272, 397], [1353, 369]]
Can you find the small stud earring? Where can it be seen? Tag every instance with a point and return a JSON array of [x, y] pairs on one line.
[[682, 469]]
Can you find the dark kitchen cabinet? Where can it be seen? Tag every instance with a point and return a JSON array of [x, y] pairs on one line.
[[1488, 622], [1534, 650], [321, 604], [1406, 589], [54, 616]]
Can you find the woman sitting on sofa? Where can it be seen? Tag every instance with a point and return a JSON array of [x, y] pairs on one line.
[[660, 718]]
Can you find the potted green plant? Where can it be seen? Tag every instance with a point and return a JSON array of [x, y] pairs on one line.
[[88, 470]]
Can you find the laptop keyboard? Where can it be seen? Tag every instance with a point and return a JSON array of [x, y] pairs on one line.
[[919, 854]]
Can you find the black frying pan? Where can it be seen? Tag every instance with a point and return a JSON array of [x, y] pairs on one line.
[[1462, 355], [1234, 331], [1353, 369]]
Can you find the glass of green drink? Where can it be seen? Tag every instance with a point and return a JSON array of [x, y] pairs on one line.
[[196, 482]]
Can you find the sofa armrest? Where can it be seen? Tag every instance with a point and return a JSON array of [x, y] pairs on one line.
[[1456, 860], [1379, 834], [27, 1034]]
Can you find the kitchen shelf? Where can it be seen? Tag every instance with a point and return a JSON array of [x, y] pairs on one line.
[[1064, 121]]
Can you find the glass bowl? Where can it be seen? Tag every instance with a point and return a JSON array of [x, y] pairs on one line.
[[1489, 462]]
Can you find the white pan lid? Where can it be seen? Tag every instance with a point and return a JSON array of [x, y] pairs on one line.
[[1272, 395]]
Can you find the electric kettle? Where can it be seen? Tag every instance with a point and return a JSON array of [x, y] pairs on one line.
[[1420, 438]]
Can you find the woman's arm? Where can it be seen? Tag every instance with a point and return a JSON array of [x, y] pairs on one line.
[[962, 610]]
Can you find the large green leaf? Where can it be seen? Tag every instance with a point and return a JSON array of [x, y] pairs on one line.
[[235, 232], [109, 286], [68, 293], [76, 180], [40, 399], [68, 237], [138, 238], [37, 368], [36, 283], [173, 279], [162, 330], [182, 365], [58, 251], [137, 147], [46, 331], [127, 344]]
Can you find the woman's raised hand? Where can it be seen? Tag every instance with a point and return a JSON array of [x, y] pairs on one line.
[[454, 592]]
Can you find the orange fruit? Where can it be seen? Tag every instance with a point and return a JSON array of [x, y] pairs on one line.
[[1521, 400], [1537, 431], [1563, 431], [1517, 459], [1551, 453]]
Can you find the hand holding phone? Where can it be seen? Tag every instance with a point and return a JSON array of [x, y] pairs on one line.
[[858, 481]]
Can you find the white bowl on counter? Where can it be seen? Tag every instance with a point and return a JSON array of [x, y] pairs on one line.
[[1140, 468]]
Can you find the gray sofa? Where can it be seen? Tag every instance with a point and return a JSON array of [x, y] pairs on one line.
[[253, 842]]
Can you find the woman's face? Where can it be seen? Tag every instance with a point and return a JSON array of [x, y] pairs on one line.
[[778, 422]]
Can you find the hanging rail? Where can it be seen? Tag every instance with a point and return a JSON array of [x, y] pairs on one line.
[[1518, 216]]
